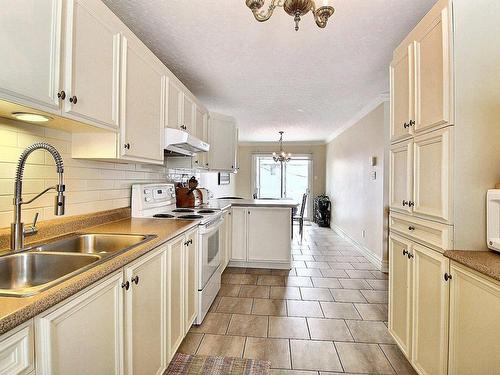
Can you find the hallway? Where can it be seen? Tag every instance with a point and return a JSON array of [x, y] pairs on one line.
[[327, 314]]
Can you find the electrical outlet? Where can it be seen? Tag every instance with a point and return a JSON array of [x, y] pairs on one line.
[[363, 233]]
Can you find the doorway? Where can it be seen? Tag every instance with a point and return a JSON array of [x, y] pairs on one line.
[[271, 180]]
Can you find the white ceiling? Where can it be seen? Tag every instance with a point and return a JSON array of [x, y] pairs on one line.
[[309, 83]]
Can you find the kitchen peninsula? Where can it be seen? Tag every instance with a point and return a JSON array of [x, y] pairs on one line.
[[260, 232]]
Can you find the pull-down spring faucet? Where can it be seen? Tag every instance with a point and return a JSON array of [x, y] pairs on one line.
[[18, 232]]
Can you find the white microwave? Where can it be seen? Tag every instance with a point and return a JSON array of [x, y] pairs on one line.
[[493, 219]]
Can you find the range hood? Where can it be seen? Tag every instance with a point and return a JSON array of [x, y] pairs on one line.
[[179, 142]]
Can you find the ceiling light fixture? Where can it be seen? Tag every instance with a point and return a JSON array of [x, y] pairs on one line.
[[30, 117], [295, 8], [282, 157]]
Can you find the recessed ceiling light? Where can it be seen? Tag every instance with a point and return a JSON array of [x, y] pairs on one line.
[[31, 117]]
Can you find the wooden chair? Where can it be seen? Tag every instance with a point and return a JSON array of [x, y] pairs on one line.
[[300, 217]]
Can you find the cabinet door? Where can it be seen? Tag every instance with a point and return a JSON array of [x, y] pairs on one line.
[[433, 171], [221, 139], [268, 233], [146, 315], [176, 294], [400, 292], [235, 150], [402, 95], [143, 103], [174, 106], [430, 311], [92, 62], [474, 323], [239, 234], [401, 178], [188, 114], [30, 36], [85, 335], [434, 74], [191, 279], [17, 350], [200, 159]]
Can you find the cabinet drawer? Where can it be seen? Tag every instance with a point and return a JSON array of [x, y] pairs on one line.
[[429, 233], [17, 351]]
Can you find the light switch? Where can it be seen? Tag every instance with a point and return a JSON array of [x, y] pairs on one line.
[[373, 175]]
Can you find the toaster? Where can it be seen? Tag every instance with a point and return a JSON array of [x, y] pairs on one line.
[[493, 219]]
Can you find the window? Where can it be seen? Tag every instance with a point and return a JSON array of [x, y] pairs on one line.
[[291, 180]]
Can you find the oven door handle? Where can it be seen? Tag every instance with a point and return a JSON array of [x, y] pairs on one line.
[[212, 226]]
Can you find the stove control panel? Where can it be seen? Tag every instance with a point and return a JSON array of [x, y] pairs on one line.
[[151, 196]]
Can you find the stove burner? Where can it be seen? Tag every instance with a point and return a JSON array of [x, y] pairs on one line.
[[183, 210], [205, 212], [190, 217], [163, 216]]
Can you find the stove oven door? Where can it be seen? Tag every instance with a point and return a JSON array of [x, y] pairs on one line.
[[209, 251]]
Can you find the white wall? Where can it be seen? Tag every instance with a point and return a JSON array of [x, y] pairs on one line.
[[359, 202], [210, 181], [91, 185]]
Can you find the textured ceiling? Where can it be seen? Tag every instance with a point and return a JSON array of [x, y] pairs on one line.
[[309, 83]]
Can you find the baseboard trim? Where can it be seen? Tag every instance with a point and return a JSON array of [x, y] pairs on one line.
[[250, 264], [382, 265]]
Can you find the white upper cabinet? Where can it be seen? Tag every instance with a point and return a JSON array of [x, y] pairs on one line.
[[30, 37], [174, 106], [402, 94], [434, 104], [223, 143], [143, 103], [201, 125], [401, 186], [433, 172], [92, 63], [188, 114]]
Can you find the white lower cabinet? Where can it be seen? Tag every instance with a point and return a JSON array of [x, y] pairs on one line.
[[419, 304], [225, 240], [182, 288], [400, 298], [17, 351], [131, 322], [84, 335], [261, 235], [239, 234], [430, 311], [474, 323], [146, 314], [191, 279]]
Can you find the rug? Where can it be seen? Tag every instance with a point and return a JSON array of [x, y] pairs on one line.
[[202, 365]]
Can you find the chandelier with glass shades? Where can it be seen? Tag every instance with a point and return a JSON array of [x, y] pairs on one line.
[[295, 8], [282, 157]]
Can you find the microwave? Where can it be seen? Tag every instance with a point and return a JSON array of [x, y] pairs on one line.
[[493, 219]]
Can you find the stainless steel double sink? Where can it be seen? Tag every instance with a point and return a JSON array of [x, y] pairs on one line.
[[38, 268]]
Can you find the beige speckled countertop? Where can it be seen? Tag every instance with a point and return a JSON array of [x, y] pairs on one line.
[[485, 262], [14, 311]]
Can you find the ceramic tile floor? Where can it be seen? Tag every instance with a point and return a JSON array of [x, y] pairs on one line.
[[327, 315]]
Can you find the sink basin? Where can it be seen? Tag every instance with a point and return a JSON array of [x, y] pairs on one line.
[[94, 243], [38, 268], [25, 274]]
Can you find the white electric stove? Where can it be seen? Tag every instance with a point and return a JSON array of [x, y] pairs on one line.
[[158, 201]]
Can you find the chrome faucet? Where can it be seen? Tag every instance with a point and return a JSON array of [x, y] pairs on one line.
[[18, 232]]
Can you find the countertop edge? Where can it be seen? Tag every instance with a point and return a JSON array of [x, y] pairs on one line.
[[486, 263]]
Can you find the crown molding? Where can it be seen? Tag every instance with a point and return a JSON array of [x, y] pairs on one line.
[[382, 98]]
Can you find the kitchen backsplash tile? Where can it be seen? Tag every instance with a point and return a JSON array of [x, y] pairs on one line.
[[91, 185]]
